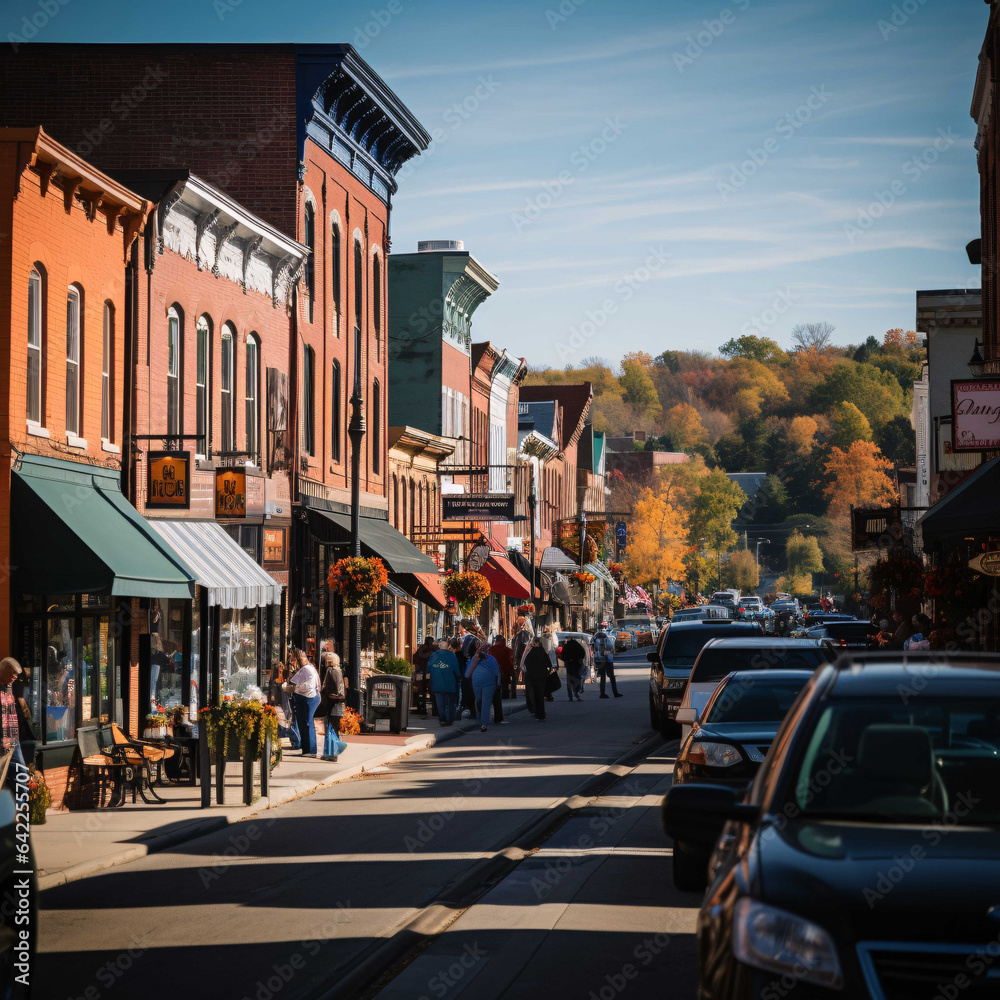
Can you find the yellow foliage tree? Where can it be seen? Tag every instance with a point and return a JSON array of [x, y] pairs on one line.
[[802, 434], [657, 541], [684, 425]]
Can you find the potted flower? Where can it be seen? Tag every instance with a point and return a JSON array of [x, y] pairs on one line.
[[350, 724], [156, 726], [357, 580], [39, 796], [237, 730], [468, 589]]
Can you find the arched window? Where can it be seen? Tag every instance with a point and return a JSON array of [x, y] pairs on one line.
[[174, 370], [203, 335], [377, 304], [108, 376], [335, 268], [308, 400], [227, 386], [252, 364], [309, 238], [359, 285], [376, 428], [335, 420], [74, 402], [36, 347]]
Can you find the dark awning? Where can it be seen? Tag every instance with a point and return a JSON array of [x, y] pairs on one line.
[[73, 532], [380, 538], [970, 510], [524, 567], [424, 587]]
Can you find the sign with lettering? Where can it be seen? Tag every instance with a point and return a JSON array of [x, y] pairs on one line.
[[875, 528], [975, 415], [987, 562], [168, 486], [230, 493], [274, 546], [478, 507]]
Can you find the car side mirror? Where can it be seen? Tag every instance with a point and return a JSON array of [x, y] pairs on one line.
[[687, 716], [696, 814], [652, 657]]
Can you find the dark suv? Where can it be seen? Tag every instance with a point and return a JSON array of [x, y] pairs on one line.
[[865, 860], [670, 664]]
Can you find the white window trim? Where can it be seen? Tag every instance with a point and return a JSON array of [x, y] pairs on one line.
[[37, 430], [76, 442], [107, 446]]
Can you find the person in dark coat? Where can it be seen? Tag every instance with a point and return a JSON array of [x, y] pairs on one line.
[[500, 651], [420, 657], [574, 656], [536, 670]]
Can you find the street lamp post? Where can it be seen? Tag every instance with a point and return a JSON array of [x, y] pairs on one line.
[[356, 432], [759, 542]]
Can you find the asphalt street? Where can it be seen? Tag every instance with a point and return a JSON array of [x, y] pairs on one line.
[[457, 871]]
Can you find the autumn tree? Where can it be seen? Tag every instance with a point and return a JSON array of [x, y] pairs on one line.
[[747, 386], [856, 477], [875, 393], [637, 387], [812, 336], [849, 425], [657, 541], [801, 435], [741, 571], [714, 510], [803, 373], [684, 426]]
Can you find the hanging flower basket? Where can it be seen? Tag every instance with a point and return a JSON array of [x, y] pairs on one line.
[[468, 589], [350, 724], [525, 609], [584, 579], [357, 580]]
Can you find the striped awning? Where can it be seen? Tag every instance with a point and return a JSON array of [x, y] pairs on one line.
[[217, 562]]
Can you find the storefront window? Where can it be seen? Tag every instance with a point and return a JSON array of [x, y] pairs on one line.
[[72, 676], [238, 651]]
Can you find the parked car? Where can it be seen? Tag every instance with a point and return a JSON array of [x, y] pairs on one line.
[[671, 662], [585, 639], [810, 617], [752, 608], [864, 860], [701, 612], [719, 657], [624, 640], [729, 743], [845, 635]]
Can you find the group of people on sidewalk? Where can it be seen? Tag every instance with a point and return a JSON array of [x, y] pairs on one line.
[[466, 675], [302, 694]]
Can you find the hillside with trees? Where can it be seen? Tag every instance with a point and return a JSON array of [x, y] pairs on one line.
[[829, 425]]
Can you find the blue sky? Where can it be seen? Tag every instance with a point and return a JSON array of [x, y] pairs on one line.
[[657, 175]]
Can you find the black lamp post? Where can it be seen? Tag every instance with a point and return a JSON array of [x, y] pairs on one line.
[[976, 363], [356, 432]]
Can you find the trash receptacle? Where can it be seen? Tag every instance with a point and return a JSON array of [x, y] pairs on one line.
[[388, 697]]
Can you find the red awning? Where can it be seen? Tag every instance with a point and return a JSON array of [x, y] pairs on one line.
[[504, 578], [424, 587]]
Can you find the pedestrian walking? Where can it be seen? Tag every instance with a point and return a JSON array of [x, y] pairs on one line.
[[423, 653], [10, 741], [604, 654], [520, 644], [574, 657], [469, 650], [500, 651], [305, 698], [281, 696], [485, 678], [332, 697], [536, 671], [446, 680], [550, 646]]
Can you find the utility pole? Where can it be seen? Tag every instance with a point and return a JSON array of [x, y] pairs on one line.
[[356, 432]]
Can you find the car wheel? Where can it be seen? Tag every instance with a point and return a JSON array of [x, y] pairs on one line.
[[690, 871], [654, 715]]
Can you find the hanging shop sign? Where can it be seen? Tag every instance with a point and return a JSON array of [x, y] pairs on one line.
[[975, 415], [167, 480], [230, 493], [274, 546], [477, 558], [875, 528], [478, 507], [987, 563], [621, 538]]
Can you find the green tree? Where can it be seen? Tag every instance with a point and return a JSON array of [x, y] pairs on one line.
[[849, 425], [637, 387], [875, 393], [753, 347], [896, 440], [803, 554], [714, 510], [669, 360], [741, 571], [771, 503]]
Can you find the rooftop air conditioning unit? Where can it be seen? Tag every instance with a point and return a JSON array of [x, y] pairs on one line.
[[427, 246]]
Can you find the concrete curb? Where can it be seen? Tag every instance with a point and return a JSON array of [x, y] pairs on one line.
[[200, 827], [435, 918]]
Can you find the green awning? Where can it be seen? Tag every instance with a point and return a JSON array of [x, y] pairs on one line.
[[72, 532], [381, 539]]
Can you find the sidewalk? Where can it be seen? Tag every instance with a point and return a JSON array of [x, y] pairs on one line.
[[73, 845]]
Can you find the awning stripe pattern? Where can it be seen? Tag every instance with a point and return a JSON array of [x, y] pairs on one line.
[[217, 562]]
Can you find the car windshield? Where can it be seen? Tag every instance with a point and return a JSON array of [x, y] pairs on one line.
[[883, 760], [683, 645], [715, 663], [745, 698]]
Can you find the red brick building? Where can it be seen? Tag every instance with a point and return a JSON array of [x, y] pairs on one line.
[[77, 556]]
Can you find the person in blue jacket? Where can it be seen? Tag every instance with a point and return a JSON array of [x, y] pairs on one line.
[[446, 681]]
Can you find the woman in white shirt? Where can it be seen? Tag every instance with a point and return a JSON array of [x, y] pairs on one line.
[[305, 698]]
